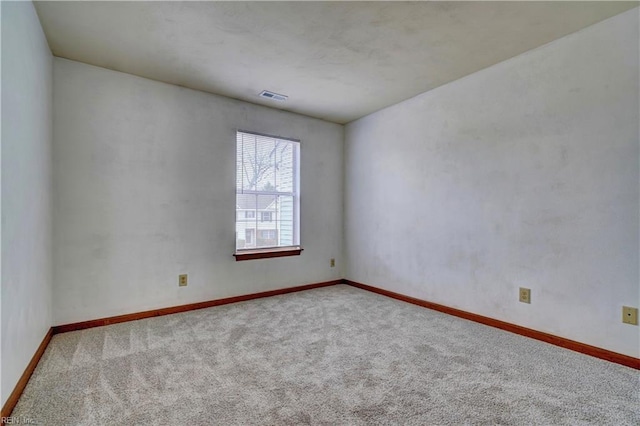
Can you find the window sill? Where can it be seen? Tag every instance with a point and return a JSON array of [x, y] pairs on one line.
[[267, 253]]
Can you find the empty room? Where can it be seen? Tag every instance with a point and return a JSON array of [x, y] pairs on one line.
[[336, 213]]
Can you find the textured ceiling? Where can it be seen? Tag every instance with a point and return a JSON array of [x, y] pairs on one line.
[[335, 60]]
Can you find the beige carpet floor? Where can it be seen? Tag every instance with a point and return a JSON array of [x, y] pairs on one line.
[[335, 355]]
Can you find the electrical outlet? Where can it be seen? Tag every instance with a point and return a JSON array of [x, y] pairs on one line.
[[630, 315], [182, 280], [333, 263], [525, 295]]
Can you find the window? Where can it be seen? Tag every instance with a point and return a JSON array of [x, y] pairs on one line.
[[268, 234], [265, 217], [267, 191]]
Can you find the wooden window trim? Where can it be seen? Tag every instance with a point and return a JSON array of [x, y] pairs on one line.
[[267, 253]]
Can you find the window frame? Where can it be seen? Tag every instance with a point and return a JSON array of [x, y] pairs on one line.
[[274, 251]]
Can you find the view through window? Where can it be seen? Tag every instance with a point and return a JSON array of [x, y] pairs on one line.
[[267, 192]]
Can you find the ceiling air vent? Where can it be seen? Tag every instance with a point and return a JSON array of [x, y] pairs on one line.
[[270, 95]]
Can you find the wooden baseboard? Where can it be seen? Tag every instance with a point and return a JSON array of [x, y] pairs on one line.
[[183, 308], [594, 351], [8, 406]]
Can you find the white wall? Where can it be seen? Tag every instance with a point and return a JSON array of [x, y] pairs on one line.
[[144, 184], [26, 189], [523, 174]]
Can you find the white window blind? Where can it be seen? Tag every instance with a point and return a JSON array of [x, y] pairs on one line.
[[267, 192]]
